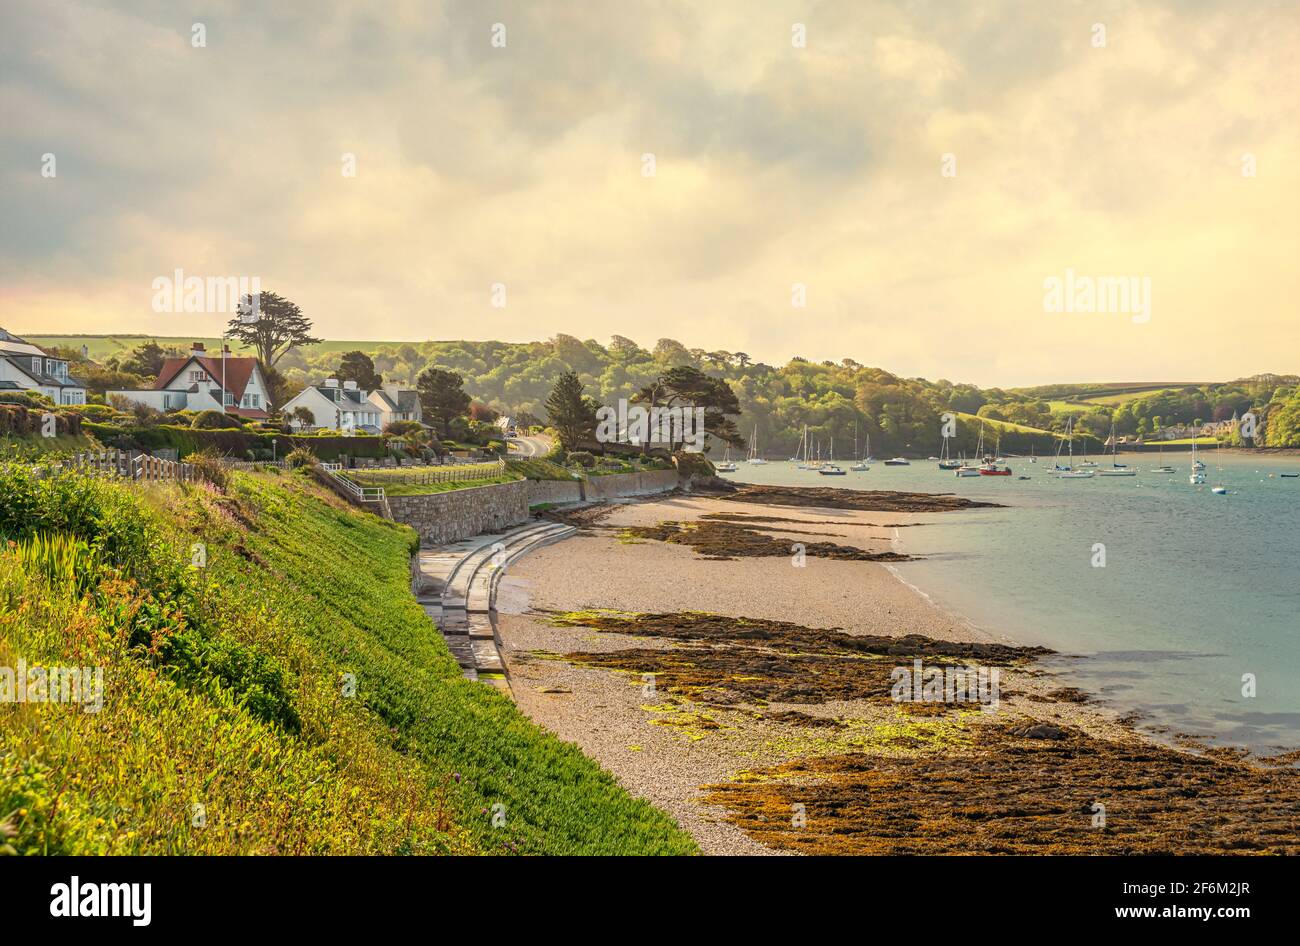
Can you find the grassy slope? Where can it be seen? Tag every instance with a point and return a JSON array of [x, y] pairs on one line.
[[318, 589], [1005, 425], [391, 481], [103, 346]]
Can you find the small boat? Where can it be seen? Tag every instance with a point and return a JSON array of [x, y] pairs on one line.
[[946, 462], [829, 468], [1219, 490], [968, 471], [1068, 472], [861, 466], [753, 457], [1197, 476], [1289, 476], [1022, 477], [898, 461], [932, 459], [1163, 469], [995, 465], [726, 466]]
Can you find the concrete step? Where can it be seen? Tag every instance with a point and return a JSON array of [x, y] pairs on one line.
[[482, 591], [460, 582]]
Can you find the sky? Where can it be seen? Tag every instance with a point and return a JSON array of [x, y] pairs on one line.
[[893, 182]]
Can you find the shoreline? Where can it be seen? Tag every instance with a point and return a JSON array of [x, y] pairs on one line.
[[600, 636]]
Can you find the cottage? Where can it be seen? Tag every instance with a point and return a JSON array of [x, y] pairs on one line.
[[330, 405], [200, 382], [26, 367]]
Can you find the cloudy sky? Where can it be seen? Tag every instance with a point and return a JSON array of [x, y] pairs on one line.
[[1105, 138]]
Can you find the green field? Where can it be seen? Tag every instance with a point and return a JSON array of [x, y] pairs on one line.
[[1006, 425], [100, 347], [402, 483], [291, 686]]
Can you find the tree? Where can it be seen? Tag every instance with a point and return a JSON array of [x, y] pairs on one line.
[[274, 328], [303, 416], [357, 366], [441, 398], [147, 359], [685, 386], [571, 414]]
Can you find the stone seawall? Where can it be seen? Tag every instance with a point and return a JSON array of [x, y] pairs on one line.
[[630, 484], [457, 514], [554, 491]]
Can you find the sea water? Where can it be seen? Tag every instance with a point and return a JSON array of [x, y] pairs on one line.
[[1162, 598]]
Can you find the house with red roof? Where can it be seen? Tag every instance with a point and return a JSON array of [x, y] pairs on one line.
[[203, 382]]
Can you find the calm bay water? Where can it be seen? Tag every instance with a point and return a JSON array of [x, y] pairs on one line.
[[1197, 589]]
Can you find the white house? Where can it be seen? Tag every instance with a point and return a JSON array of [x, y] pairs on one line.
[[196, 382], [25, 367], [332, 406], [394, 403]]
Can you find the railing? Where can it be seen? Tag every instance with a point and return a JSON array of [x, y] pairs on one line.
[[135, 467], [362, 494], [457, 473], [255, 464]]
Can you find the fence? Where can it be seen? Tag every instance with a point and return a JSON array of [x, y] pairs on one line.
[[256, 464], [425, 476], [135, 467]]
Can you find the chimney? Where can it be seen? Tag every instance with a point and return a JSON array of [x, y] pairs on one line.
[[331, 382], [197, 349], [349, 385]]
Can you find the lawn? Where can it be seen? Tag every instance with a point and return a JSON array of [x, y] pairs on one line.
[[1006, 425], [397, 483]]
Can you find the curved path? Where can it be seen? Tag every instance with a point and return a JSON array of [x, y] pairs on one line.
[[457, 586]]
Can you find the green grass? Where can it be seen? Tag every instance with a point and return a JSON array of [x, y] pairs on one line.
[[34, 445], [536, 469], [1186, 442], [223, 686], [393, 485], [1006, 425], [104, 346]]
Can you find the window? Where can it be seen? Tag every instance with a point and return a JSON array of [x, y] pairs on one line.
[[230, 399], [196, 375]]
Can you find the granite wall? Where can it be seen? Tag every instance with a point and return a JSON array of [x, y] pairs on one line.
[[440, 518]]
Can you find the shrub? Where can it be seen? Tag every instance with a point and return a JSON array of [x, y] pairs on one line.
[[300, 457], [581, 458], [207, 464], [214, 420]]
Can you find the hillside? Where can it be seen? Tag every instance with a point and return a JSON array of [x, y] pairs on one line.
[[227, 686], [833, 399]]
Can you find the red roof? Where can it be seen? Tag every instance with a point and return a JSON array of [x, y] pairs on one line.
[[238, 371]]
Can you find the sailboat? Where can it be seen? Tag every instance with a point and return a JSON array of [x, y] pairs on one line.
[[946, 462], [991, 465], [968, 469], [754, 458], [829, 468], [1117, 468], [801, 458], [1163, 467], [1197, 476], [1219, 490], [726, 466], [862, 465], [1069, 473]]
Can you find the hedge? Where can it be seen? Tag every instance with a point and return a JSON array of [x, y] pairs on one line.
[[185, 440]]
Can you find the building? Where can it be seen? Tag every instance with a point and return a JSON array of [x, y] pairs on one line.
[[198, 381], [394, 403], [25, 367], [337, 407]]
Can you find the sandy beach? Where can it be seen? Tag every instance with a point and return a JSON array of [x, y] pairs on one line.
[[671, 732]]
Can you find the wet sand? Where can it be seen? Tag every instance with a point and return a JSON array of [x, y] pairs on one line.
[[688, 741]]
